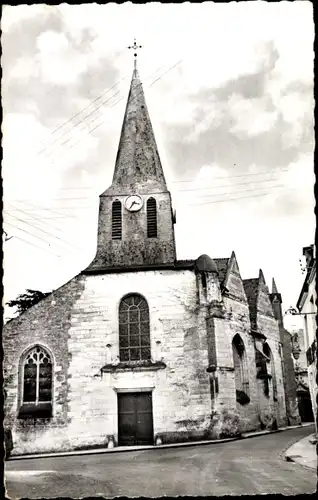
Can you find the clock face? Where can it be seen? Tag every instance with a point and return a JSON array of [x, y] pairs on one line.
[[133, 203]]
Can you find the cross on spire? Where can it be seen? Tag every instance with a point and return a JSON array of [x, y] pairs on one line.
[[135, 47]]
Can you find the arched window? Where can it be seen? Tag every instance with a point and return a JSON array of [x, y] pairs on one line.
[[37, 371], [116, 221], [268, 352], [151, 218], [134, 330], [240, 370], [203, 278]]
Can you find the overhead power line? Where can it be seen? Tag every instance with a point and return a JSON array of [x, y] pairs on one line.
[[30, 234], [82, 120], [211, 187], [42, 230], [226, 200], [193, 180], [86, 125], [36, 219], [242, 197]]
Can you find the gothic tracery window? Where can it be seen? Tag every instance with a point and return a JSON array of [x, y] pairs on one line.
[[37, 371], [240, 369], [134, 329], [268, 352]]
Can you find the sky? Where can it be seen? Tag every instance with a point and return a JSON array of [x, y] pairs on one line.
[[229, 89]]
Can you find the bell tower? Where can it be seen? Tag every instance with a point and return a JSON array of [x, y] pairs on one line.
[[136, 221]]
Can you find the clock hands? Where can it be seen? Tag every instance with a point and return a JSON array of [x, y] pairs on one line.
[[133, 203]]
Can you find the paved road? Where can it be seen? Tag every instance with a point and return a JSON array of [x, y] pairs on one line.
[[249, 466]]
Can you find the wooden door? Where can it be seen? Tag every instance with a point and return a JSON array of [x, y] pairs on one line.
[[135, 423]]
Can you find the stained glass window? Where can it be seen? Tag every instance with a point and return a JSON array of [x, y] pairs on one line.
[[37, 376], [134, 330]]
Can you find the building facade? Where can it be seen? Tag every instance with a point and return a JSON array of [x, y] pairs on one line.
[[140, 347], [301, 376], [307, 306]]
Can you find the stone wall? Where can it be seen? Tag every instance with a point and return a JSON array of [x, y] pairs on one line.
[[135, 248], [80, 328], [268, 326], [47, 323], [78, 324]]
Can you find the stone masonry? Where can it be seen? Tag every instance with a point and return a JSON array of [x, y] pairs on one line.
[[201, 317]]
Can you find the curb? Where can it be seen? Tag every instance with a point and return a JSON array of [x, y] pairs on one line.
[[122, 449], [294, 454]]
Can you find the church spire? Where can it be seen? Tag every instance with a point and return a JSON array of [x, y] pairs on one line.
[[274, 287], [136, 219], [138, 164]]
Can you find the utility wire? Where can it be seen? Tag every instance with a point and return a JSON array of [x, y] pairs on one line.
[[200, 189], [240, 198], [35, 218], [96, 109], [30, 234], [85, 117], [34, 246], [157, 79], [43, 231], [212, 201], [227, 200], [237, 176], [223, 177], [51, 210]]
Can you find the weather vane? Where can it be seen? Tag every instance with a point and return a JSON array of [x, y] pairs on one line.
[[135, 47]]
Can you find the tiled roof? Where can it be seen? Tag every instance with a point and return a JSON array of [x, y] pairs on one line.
[[251, 291], [184, 263], [222, 265]]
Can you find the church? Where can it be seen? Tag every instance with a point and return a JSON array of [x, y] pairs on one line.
[[141, 348]]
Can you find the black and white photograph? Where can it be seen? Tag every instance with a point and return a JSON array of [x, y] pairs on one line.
[[159, 264]]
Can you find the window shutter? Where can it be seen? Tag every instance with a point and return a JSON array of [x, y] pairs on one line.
[[116, 221], [151, 218]]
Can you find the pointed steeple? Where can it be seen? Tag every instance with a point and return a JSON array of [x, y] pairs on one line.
[[136, 219], [274, 287], [138, 164], [276, 300]]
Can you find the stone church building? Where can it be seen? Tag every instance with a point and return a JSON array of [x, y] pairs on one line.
[[140, 347]]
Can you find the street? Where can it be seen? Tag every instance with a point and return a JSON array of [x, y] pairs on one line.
[[247, 466]]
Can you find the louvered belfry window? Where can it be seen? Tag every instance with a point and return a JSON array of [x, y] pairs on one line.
[[151, 218], [134, 329], [116, 221]]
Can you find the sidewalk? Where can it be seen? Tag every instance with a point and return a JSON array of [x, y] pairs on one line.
[[303, 452], [120, 449]]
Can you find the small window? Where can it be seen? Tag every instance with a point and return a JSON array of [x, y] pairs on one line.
[[151, 218], [37, 384], [203, 278], [116, 221]]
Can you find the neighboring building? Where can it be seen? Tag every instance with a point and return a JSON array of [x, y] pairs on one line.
[[307, 307], [301, 376], [141, 347], [287, 360]]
